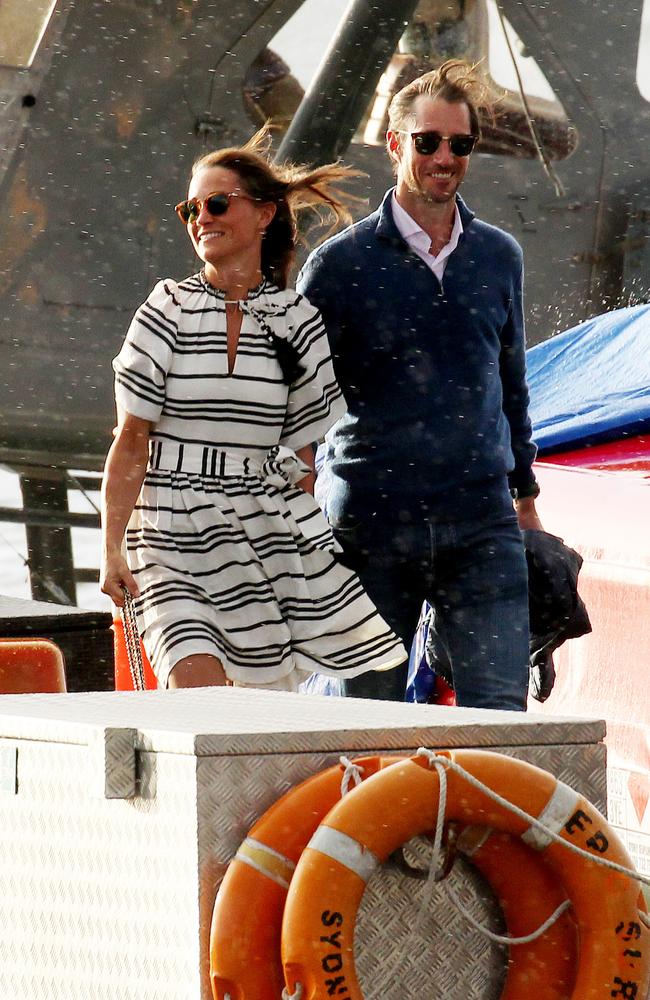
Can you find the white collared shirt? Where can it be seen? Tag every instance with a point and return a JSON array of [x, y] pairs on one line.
[[420, 242]]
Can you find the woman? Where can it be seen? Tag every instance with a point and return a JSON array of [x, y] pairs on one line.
[[223, 384]]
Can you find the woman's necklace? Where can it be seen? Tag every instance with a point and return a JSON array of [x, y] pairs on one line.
[[246, 287]]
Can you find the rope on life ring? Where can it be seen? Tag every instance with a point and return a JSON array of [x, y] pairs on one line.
[[247, 916], [481, 788], [527, 891]]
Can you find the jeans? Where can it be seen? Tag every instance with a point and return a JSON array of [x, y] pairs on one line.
[[474, 575]]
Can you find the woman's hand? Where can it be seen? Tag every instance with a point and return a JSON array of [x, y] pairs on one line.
[[308, 456], [114, 575], [124, 472]]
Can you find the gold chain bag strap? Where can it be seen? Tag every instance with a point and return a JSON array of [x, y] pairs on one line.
[[132, 642]]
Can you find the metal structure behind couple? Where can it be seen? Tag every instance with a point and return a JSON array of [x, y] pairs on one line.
[[104, 107]]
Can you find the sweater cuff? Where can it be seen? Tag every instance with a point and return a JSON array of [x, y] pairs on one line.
[[522, 489]]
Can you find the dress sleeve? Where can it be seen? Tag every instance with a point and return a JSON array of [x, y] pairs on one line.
[[315, 400], [142, 365]]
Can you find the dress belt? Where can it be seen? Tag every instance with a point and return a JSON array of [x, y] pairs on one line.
[[279, 467]]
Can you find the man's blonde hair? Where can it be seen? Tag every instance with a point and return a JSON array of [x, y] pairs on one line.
[[455, 81]]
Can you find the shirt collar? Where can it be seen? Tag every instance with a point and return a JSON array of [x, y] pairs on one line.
[[386, 228], [413, 233]]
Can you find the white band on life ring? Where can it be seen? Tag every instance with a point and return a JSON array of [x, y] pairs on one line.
[[344, 849], [557, 811]]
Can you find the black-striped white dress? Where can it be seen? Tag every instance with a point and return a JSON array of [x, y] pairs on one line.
[[232, 558]]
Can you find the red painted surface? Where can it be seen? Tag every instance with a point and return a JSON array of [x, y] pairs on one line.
[[28, 666], [630, 454], [605, 516]]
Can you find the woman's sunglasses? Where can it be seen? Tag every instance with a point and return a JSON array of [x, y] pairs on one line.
[[216, 204], [427, 143]]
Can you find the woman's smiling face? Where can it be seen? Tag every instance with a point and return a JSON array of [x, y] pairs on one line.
[[223, 239]]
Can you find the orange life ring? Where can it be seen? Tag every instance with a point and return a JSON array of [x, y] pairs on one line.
[[247, 916], [331, 875], [246, 964], [527, 891]]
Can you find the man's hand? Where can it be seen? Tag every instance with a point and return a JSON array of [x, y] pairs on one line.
[[527, 514]]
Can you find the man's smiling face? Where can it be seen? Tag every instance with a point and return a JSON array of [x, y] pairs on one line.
[[437, 177]]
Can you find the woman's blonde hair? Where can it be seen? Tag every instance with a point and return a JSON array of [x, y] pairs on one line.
[[292, 189]]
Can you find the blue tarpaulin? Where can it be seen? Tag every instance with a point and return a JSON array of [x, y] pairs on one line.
[[592, 383]]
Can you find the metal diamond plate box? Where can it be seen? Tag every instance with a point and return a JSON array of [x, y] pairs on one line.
[[119, 813]]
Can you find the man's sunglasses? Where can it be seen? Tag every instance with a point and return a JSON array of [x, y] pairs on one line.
[[216, 204], [426, 143]]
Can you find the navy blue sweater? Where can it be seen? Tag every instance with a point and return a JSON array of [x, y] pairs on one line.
[[433, 374]]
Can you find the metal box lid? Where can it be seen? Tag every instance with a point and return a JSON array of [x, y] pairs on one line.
[[235, 721]]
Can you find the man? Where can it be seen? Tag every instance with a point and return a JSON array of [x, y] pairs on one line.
[[423, 306]]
